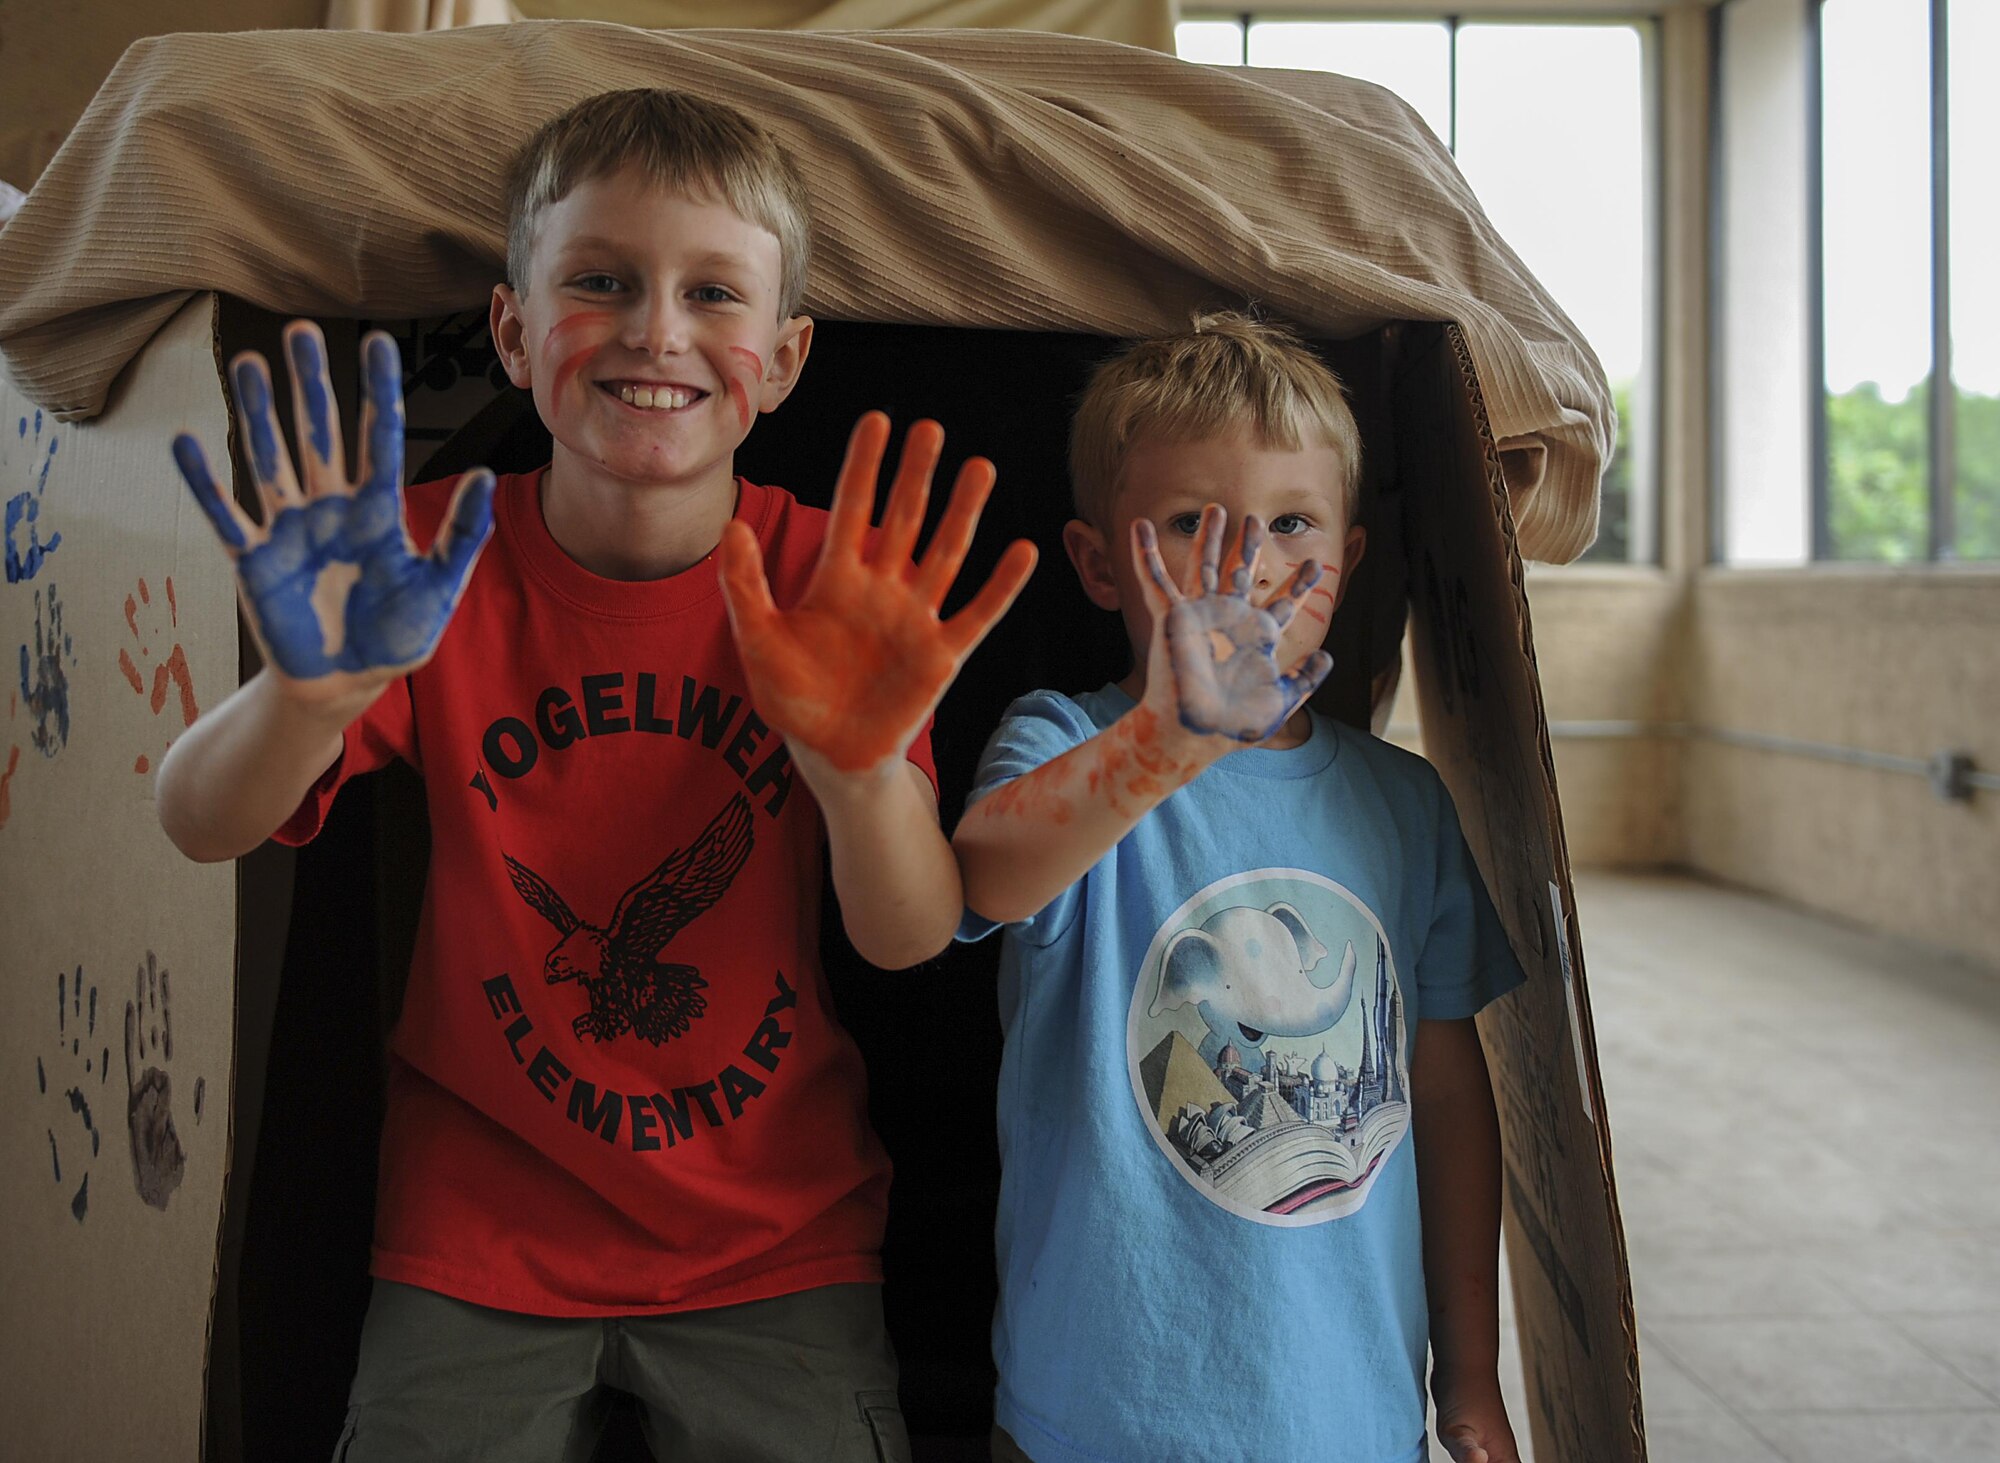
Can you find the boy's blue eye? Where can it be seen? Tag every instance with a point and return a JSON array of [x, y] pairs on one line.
[[1185, 523], [598, 284], [1289, 523], [714, 294]]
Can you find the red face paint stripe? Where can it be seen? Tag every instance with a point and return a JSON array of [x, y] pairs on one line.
[[571, 364], [737, 390], [563, 328]]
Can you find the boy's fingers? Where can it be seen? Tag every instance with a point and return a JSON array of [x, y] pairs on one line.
[[964, 630], [746, 593], [1284, 602], [231, 526], [1154, 581], [1248, 548], [1208, 549], [314, 410], [953, 539], [1301, 683], [854, 490], [270, 464], [909, 496], [469, 522], [381, 413]]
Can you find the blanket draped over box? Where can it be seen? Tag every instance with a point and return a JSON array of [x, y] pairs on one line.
[[967, 178]]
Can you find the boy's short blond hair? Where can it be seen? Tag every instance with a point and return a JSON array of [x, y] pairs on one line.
[[1227, 371], [682, 142]]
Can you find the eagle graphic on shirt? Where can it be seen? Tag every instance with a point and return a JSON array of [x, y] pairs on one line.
[[629, 986]]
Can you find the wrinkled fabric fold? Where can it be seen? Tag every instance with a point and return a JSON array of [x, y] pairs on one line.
[[966, 178]]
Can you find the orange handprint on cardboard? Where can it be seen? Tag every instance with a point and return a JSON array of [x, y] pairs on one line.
[[169, 671], [851, 671]]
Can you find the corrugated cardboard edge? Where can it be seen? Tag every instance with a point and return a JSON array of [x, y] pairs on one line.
[[1587, 1036]]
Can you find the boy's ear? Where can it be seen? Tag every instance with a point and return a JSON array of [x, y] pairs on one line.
[[788, 358], [1092, 558], [1350, 560], [510, 336]]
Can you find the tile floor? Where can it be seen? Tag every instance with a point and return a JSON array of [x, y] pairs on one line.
[[1806, 1122]]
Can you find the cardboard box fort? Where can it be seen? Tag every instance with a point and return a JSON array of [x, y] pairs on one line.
[[195, 1053]]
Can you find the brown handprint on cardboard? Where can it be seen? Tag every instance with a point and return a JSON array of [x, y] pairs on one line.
[[158, 1161]]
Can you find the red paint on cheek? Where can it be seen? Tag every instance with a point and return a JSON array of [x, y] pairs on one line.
[[740, 393], [560, 345]]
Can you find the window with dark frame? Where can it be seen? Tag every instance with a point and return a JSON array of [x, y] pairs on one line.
[[1906, 435], [1596, 252]]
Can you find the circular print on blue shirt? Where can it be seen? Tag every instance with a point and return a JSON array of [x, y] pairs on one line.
[[1267, 1046]]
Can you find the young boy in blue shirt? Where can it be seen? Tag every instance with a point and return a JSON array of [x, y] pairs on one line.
[[1250, 1155]]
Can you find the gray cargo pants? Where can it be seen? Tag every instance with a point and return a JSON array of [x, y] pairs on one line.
[[807, 1377]]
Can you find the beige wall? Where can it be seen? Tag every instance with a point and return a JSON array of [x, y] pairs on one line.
[[1899, 662], [1903, 663]]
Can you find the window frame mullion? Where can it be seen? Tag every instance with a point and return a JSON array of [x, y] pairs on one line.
[[1943, 454]]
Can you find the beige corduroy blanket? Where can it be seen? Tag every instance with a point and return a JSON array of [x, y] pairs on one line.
[[973, 178]]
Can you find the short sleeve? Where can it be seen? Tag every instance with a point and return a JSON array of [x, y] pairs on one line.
[[1037, 728], [1466, 962], [383, 733], [921, 757]]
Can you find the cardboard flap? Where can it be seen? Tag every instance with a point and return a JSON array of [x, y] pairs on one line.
[[1484, 729]]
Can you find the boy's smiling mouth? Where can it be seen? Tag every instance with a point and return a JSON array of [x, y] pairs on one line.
[[652, 395]]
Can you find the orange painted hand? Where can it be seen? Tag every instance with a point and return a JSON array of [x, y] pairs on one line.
[[850, 672]]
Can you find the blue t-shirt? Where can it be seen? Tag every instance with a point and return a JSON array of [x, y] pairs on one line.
[[1208, 1234]]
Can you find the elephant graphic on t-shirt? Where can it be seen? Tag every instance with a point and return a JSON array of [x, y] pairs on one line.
[[1248, 972], [629, 986]]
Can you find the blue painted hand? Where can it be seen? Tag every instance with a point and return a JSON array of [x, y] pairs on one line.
[[330, 582], [1222, 648]]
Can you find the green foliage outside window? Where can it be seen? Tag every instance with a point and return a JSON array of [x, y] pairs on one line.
[[1878, 494]]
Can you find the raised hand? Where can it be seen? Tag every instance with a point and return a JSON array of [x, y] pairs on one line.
[[850, 672], [1220, 650], [330, 582]]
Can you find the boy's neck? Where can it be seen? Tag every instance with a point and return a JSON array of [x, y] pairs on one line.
[[1296, 731], [630, 531]]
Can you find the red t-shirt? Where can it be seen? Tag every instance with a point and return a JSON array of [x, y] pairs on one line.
[[618, 1085]]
